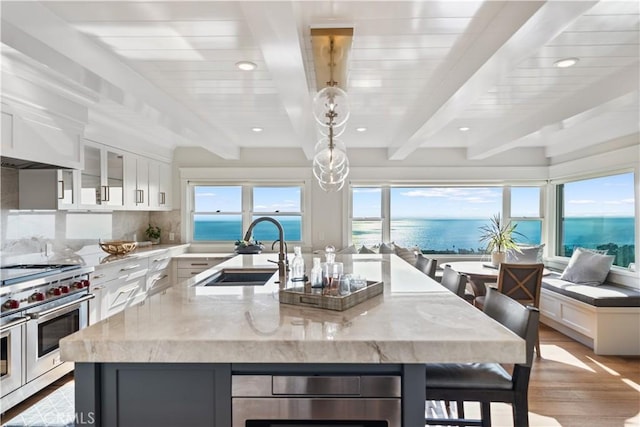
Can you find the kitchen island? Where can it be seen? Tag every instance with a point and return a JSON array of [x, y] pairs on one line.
[[173, 357]]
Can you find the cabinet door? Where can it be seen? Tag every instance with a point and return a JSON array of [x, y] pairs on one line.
[[114, 179], [7, 133], [66, 189], [130, 182], [165, 193], [142, 177], [154, 185], [91, 177]]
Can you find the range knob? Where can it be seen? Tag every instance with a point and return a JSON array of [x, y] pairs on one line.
[[64, 289], [77, 285], [37, 296], [55, 291], [11, 304], [85, 283]]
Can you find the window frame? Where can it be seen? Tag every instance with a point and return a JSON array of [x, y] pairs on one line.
[[247, 211], [506, 205], [557, 213]]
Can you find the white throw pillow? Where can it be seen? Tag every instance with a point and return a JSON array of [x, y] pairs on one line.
[[348, 250], [527, 255], [587, 268], [387, 248], [366, 250]]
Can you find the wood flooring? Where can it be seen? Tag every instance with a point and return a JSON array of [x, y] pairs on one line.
[[570, 386]]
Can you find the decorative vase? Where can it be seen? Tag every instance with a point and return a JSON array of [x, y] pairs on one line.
[[155, 241], [497, 257]]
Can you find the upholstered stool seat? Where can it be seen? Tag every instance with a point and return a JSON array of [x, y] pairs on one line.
[[471, 375]]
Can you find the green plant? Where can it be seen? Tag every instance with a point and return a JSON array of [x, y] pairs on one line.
[[152, 232], [244, 243], [499, 235]]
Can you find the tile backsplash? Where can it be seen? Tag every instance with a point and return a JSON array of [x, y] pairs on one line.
[[29, 231]]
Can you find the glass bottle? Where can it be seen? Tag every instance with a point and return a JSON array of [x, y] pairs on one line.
[[316, 274], [297, 265]]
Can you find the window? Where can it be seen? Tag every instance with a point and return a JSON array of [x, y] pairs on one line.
[[442, 219], [525, 213], [366, 224], [598, 213], [223, 213], [281, 203], [217, 213]]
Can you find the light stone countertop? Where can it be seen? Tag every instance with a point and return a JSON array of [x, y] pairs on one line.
[[415, 321], [98, 257]]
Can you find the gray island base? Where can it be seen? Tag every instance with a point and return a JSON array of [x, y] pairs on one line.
[[232, 356]]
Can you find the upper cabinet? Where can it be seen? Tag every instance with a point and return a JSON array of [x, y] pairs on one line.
[[101, 182], [47, 189], [147, 184]]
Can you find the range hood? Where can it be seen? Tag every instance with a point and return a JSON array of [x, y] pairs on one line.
[[12, 163]]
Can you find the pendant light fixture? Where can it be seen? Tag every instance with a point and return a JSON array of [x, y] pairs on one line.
[[331, 108]]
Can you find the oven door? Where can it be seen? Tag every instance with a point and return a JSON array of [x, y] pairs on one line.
[[11, 349], [47, 327]]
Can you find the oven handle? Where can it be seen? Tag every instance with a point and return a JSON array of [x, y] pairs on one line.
[[15, 323], [61, 307]]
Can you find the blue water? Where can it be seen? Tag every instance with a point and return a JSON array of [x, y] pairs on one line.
[[445, 235], [231, 230]]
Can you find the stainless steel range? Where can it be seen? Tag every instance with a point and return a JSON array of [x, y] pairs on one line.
[[40, 304]]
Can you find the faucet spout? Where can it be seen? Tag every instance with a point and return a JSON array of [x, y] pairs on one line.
[[282, 254]]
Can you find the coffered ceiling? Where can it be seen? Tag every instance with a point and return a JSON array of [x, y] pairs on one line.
[[418, 71]]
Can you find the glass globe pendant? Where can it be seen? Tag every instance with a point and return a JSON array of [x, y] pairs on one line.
[[331, 101]]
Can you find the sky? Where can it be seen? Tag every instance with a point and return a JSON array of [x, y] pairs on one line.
[[607, 196]]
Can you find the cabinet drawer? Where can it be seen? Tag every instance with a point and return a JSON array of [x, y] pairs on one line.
[[202, 263], [157, 282], [159, 262], [188, 273]]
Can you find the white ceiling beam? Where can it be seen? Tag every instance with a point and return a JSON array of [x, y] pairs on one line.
[[525, 27], [53, 34], [607, 89], [273, 25]]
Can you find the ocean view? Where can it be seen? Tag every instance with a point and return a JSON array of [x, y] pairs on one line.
[[447, 235]]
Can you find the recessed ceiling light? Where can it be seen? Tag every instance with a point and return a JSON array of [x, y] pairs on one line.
[[246, 65], [257, 129], [566, 62], [361, 129], [463, 129]]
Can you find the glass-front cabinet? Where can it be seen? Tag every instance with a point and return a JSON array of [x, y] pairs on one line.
[[102, 178]]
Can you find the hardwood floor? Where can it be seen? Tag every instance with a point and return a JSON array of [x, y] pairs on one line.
[[570, 387]]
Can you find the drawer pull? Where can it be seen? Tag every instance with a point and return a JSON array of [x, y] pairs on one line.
[[199, 263], [98, 276], [131, 267], [160, 259]]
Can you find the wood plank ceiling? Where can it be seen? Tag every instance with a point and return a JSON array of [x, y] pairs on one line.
[[418, 71]]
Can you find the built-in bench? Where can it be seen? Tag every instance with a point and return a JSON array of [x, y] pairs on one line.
[[605, 318]]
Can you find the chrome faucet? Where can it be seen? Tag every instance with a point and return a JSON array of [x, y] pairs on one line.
[[282, 254]]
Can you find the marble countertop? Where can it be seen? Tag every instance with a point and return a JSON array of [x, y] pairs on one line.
[[415, 320], [98, 257]]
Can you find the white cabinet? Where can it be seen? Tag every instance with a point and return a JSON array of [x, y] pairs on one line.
[[159, 185], [41, 136], [136, 182], [158, 277], [47, 189], [101, 181], [147, 184], [116, 287], [189, 267]]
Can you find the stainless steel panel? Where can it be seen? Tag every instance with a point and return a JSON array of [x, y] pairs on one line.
[[316, 386], [315, 409], [263, 385]]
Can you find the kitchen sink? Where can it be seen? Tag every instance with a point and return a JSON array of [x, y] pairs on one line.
[[240, 277]]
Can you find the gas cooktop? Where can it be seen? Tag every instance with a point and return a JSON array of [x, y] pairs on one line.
[[17, 273]]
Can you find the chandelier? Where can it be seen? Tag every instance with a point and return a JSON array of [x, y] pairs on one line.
[[331, 108]]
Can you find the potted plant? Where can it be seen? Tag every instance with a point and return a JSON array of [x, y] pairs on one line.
[[153, 233], [499, 237], [250, 246]]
